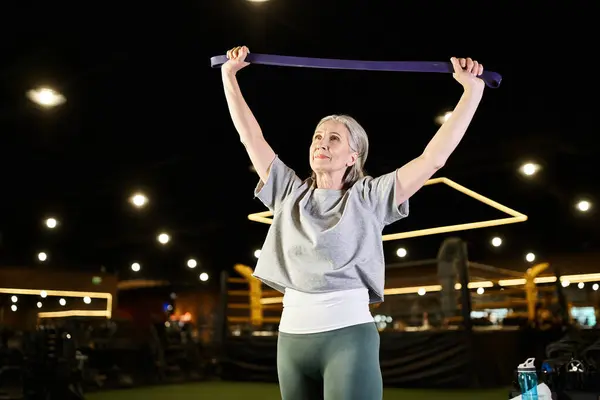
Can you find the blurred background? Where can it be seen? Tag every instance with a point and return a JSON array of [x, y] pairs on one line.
[[126, 246]]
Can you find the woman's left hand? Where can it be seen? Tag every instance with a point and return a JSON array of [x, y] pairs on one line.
[[466, 72]]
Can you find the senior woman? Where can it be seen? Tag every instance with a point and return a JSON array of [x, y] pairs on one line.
[[324, 250]]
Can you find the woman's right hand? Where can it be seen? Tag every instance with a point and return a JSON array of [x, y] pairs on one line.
[[236, 57]]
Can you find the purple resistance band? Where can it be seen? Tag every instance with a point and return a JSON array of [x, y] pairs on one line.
[[491, 79]]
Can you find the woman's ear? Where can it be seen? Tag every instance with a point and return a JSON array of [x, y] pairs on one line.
[[353, 159]]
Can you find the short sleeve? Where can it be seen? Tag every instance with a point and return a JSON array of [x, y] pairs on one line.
[[379, 194], [281, 181]]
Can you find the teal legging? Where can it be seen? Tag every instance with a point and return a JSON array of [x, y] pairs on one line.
[[342, 364]]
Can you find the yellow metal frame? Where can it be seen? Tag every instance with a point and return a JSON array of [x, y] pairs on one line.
[[67, 293], [531, 289], [529, 282], [255, 292], [265, 217], [515, 216]]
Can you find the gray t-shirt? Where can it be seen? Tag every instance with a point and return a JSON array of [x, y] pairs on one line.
[[324, 240]]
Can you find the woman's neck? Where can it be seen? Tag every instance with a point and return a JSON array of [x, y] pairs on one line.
[[332, 181]]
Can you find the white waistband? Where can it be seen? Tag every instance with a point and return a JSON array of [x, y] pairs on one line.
[[320, 312]]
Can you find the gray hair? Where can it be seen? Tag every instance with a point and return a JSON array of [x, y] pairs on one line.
[[359, 143]]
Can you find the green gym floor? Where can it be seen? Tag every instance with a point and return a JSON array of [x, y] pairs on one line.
[[259, 391]]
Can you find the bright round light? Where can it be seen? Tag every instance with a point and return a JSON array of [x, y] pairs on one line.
[[39, 304], [14, 299], [440, 119], [257, 253], [584, 205], [87, 300], [163, 238], [480, 290], [401, 252], [529, 169], [13, 307], [192, 263], [51, 223], [530, 257], [135, 267], [581, 285], [496, 242], [204, 277], [595, 286], [139, 200], [565, 283], [421, 292], [43, 294], [62, 302], [42, 256], [46, 97]]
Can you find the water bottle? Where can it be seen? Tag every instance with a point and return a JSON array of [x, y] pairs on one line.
[[528, 381]]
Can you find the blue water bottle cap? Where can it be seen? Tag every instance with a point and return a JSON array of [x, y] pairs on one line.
[[527, 366]]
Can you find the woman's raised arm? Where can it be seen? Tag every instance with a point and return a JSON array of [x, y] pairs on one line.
[[260, 153]]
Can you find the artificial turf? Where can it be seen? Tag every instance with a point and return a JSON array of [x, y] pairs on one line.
[[261, 391]]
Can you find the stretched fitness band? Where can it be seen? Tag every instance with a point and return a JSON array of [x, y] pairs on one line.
[[491, 79]]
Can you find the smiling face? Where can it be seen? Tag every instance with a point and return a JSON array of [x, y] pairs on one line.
[[330, 150]]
